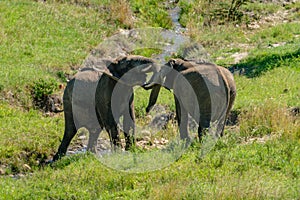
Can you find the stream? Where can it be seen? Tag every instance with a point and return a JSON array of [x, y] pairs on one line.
[[176, 35]]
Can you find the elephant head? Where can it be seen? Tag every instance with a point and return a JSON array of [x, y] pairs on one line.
[[131, 70], [164, 77]]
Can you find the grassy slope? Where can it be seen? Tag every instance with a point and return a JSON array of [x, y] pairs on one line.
[[38, 39]]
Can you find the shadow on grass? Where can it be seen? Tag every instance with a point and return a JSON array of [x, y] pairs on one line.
[[256, 66]]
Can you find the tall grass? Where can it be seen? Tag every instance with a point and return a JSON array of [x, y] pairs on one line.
[[120, 11], [269, 118]]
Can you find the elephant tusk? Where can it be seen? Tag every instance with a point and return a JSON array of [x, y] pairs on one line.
[[148, 86], [146, 69]]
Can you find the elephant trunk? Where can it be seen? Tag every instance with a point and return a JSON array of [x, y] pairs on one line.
[[155, 83], [153, 97], [158, 77]]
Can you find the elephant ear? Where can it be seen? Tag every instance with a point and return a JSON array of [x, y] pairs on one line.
[[180, 64], [125, 63], [172, 62], [115, 67], [140, 63], [176, 63]]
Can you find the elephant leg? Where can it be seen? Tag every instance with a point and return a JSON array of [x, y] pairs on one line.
[[220, 128], [70, 131], [200, 133], [129, 125], [232, 96], [93, 137], [204, 124], [182, 119], [114, 136]]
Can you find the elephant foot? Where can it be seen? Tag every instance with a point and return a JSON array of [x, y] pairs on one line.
[[92, 149], [116, 145], [187, 141], [129, 143], [128, 146], [57, 156], [62, 150]]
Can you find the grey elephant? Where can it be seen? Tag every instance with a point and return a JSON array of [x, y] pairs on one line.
[[205, 91], [88, 101]]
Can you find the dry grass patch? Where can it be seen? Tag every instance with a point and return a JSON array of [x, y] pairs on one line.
[[269, 118], [121, 12]]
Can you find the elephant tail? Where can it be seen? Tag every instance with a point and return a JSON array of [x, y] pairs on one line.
[[227, 89]]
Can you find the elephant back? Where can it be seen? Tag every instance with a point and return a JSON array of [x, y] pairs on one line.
[[88, 75]]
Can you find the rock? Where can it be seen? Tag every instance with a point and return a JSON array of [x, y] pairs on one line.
[[295, 111], [239, 56], [71, 152], [102, 146], [253, 25], [2, 171], [26, 167], [148, 117], [147, 138], [146, 133], [156, 141], [192, 124], [158, 109], [277, 44], [163, 141], [160, 121], [82, 137], [142, 143]]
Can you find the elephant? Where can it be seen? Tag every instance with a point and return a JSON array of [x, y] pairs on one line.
[[203, 90], [88, 102]]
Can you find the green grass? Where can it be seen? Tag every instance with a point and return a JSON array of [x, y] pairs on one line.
[[231, 170], [151, 12], [258, 158], [27, 137], [283, 82]]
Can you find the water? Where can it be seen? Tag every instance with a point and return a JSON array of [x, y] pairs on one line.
[[175, 36]]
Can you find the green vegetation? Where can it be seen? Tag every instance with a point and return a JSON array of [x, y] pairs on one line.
[[151, 12], [258, 158], [41, 90]]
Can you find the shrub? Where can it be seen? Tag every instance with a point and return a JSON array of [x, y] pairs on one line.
[[41, 90], [121, 13]]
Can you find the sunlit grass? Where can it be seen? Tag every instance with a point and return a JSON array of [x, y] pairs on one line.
[[258, 158], [27, 137], [279, 85]]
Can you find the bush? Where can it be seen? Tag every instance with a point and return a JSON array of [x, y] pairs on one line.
[[41, 90]]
